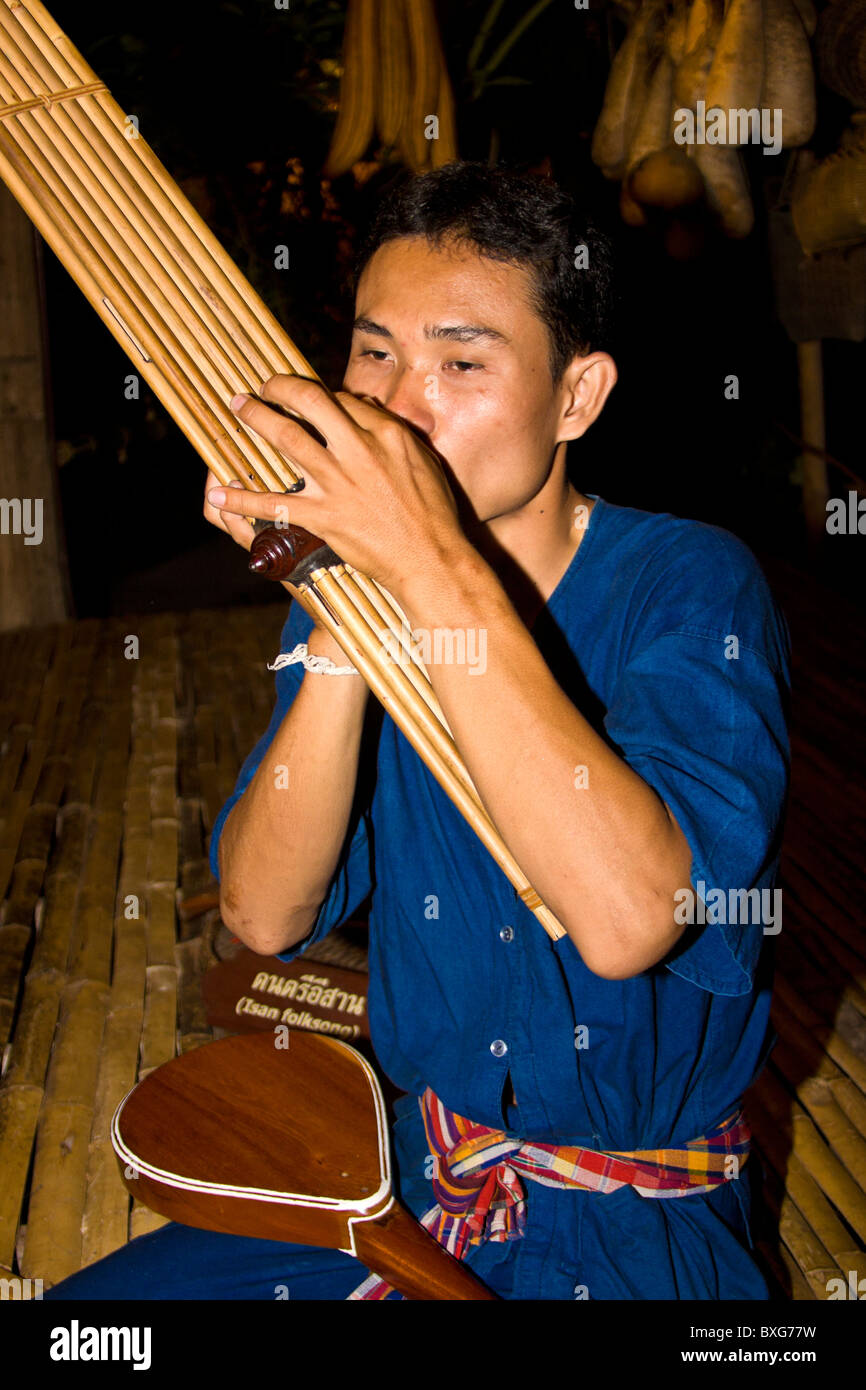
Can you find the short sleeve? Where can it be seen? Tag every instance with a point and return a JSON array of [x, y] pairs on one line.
[[353, 878], [700, 713]]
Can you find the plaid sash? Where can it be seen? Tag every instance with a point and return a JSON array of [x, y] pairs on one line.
[[479, 1195]]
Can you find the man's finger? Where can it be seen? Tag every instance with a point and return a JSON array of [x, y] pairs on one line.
[[363, 409], [264, 506], [316, 404], [209, 510], [286, 435]]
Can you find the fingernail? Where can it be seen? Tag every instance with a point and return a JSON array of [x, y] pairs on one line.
[[237, 401], [217, 496]]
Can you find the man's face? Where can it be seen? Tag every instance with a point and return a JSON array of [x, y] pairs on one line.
[[483, 399]]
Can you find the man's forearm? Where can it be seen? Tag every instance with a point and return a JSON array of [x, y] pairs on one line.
[[281, 841], [594, 839]]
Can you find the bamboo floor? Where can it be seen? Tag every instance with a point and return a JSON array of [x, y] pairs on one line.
[[114, 766]]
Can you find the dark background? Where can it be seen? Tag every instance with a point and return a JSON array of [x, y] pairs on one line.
[[238, 101]]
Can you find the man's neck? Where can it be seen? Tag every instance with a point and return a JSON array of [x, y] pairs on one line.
[[531, 550]]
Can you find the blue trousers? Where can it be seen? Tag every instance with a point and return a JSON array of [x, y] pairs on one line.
[[576, 1244]]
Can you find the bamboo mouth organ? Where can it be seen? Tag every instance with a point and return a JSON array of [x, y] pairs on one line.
[[199, 333]]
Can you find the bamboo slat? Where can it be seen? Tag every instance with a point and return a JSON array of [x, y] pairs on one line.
[[787, 1272], [191, 1012], [835, 1045], [158, 1045], [14, 941], [23, 1082], [105, 1220], [814, 1261], [106, 1214], [162, 929], [806, 1194], [52, 1247], [19, 1112], [805, 1066], [851, 1027], [52, 1243], [128, 977], [34, 1032], [817, 1158], [159, 1031], [142, 1221], [851, 1102]]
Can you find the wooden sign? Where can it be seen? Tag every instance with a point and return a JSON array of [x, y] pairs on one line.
[[253, 993]]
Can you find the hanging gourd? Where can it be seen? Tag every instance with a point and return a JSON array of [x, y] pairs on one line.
[[395, 87]]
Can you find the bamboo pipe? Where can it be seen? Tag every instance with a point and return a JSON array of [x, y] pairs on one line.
[[205, 251], [72, 250], [132, 204], [140, 211], [174, 333], [214, 431], [380, 603], [443, 768]]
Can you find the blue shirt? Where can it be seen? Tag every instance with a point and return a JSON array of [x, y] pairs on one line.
[[665, 636]]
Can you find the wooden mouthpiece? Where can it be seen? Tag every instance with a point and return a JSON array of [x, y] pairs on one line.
[[276, 552]]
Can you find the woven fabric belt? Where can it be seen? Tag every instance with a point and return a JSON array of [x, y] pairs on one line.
[[477, 1172]]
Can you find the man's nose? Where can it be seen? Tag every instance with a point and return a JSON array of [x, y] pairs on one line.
[[411, 395]]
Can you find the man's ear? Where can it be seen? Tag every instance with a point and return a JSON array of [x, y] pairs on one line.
[[586, 384]]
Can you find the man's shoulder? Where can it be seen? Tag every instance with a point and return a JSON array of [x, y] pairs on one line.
[[670, 540], [673, 574], [660, 545]]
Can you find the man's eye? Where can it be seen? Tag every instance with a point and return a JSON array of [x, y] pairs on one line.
[[466, 366], [378, 354]]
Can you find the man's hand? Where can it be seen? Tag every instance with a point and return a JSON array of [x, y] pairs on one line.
[[374, 492], [243, 534]]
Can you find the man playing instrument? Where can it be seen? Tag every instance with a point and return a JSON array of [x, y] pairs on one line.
[[625, 731]]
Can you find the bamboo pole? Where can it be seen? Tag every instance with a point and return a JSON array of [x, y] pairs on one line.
[[803, 1139], [93, 193], [768, 1115], [815, 487], [795, 1233], [440, 763]]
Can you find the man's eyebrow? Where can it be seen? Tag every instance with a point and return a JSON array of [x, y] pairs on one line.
[[453, 332], [364, 325], [465, 333]]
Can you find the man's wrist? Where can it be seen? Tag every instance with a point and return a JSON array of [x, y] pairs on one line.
[[445, 587], [321, 643]]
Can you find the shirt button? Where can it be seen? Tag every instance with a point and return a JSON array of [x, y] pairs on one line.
[[507, 934], [499, 1048]]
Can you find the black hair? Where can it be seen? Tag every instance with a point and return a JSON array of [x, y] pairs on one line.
[[524, 219]]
